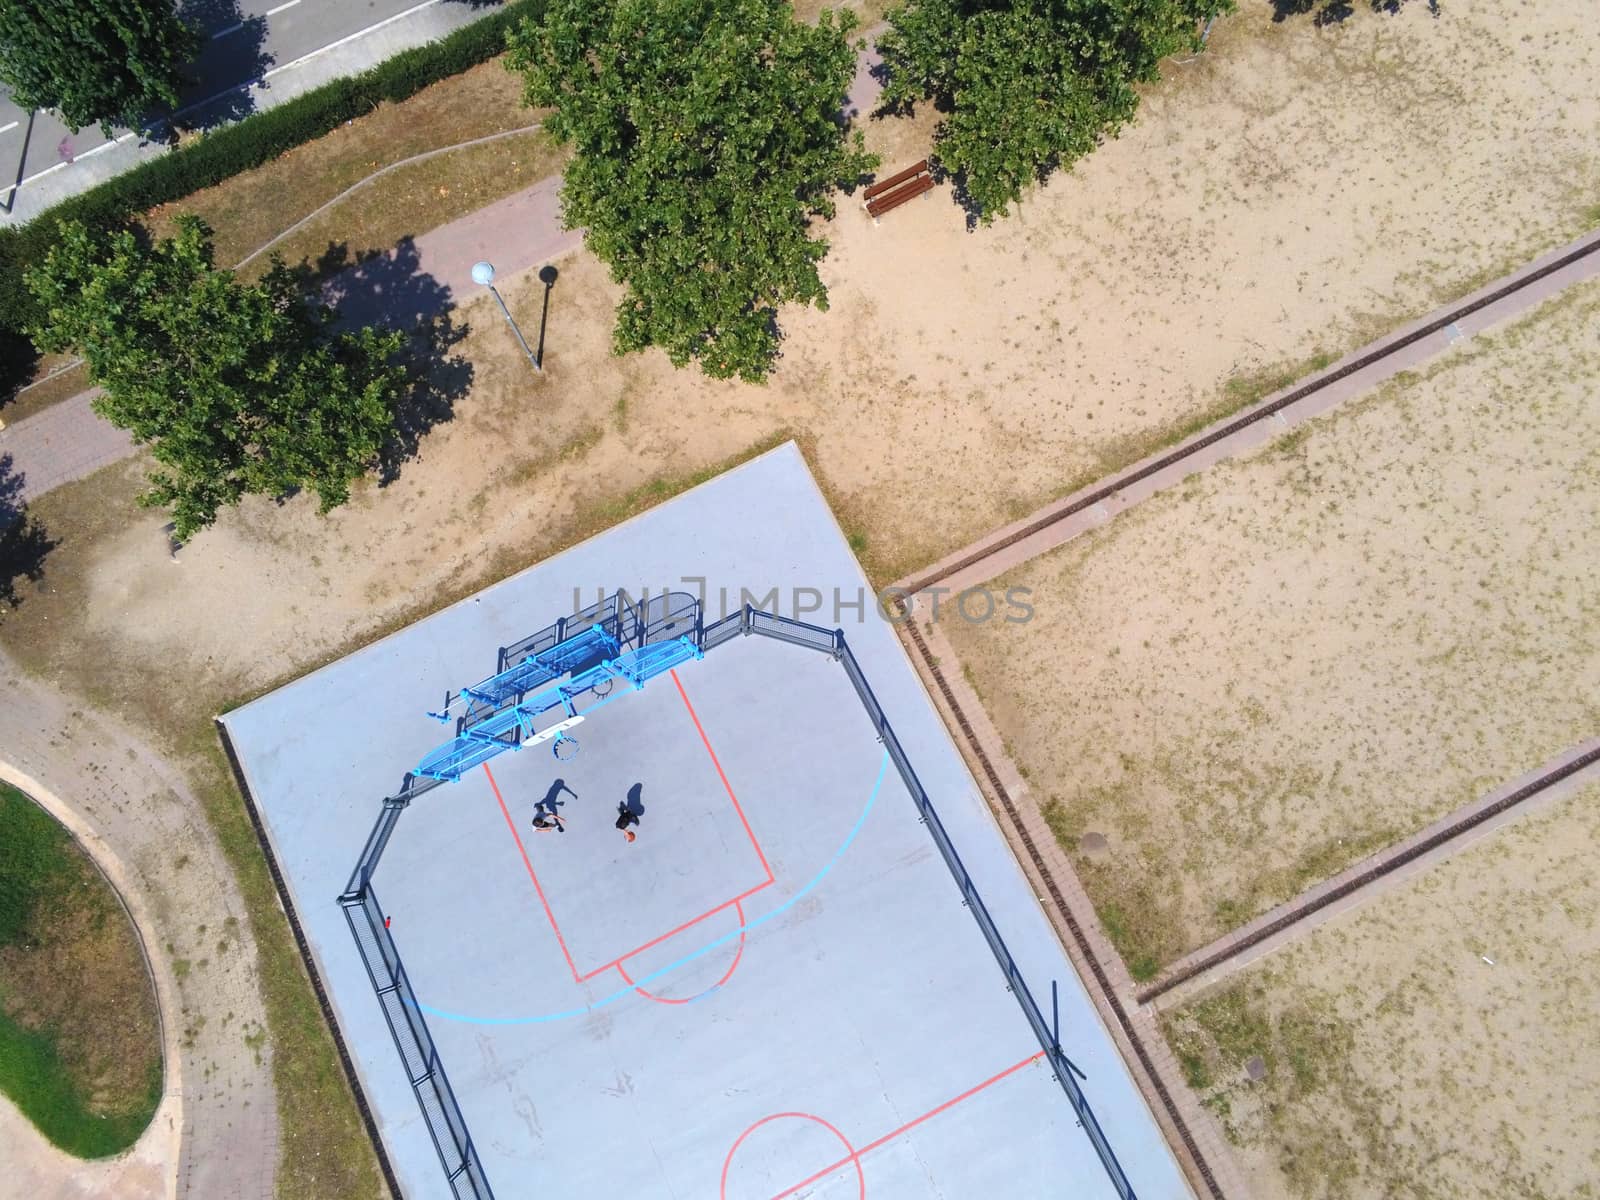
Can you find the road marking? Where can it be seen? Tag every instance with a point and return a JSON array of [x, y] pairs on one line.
[[10, 127], [222, 33], [399, 16], [272, 12], [246, 85]]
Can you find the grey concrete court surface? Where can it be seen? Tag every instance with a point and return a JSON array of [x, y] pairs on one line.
[[254, 54], [776, 990]]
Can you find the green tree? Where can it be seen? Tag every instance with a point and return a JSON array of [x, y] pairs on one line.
[[110, 61], [236, 388], [708, 136], [1029, 85]]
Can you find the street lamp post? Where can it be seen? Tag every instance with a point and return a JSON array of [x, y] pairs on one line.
[[483, 273]]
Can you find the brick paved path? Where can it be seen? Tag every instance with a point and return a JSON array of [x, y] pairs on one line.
[[64, 442], [147, 830], [422, 278]]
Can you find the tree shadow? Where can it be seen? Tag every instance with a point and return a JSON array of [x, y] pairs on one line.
[[232, 55], [390, 288], [24, 544], [1336, 12], [18, 361]]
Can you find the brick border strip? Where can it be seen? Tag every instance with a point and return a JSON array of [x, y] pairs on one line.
[[1233, 425], [1102, 980], [1384, 866], [345, 1061]]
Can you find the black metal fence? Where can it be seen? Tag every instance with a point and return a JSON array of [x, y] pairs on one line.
[[728, 628], [833, 643], [661, 618], [424, 1071]]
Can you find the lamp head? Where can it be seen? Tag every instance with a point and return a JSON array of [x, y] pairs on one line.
[[483, 273]]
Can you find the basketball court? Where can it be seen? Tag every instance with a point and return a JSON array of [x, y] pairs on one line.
[[777, 989]]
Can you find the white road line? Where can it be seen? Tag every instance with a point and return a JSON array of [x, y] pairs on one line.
[[399, 16], [222, 33], [246, 85], [10, 127], [272, 12]]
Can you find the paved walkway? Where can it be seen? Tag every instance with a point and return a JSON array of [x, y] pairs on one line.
[[421, 278], [66, 441], [149, 834]]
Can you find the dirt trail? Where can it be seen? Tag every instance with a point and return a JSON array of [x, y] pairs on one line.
[[148, 833]]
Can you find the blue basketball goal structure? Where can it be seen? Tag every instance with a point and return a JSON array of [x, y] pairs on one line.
[[543, 687], [547, 684]]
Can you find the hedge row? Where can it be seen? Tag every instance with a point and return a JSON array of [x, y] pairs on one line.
[[243, 145]]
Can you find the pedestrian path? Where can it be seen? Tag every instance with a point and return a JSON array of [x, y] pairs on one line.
[[66, 441], [425, 277]]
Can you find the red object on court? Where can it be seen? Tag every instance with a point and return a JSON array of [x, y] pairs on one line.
[[629, 834], [386, 922]]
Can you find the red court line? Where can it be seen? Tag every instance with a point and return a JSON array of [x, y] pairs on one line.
[[856, 1155], [710, 912], [722, 775], [726, 975], [853, 1157], [527, 862]]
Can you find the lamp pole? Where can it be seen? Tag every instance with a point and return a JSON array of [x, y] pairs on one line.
[[483, 274]]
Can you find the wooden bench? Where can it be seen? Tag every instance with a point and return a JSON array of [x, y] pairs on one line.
[[894, 191]]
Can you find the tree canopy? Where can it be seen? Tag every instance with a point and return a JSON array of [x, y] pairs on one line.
[[237, 388], [106, 61], [708, 135], [1029, 85]]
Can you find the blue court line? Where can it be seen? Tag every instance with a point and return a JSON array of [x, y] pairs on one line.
[[748, 926]]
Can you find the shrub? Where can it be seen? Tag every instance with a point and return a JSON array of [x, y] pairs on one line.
[[239, 147]]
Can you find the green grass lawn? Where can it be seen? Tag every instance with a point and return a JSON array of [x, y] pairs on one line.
[[80, 1049]]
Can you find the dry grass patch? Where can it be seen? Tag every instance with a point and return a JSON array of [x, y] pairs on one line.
[[1437, 1042], [868, 12], [1253, 681], [56, 378], [249, 210], [421, 196], [252, 208]]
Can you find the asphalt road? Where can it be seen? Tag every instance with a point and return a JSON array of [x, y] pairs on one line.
[[245, 40]]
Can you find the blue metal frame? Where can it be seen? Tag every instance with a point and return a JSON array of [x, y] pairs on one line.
[[506, 728]]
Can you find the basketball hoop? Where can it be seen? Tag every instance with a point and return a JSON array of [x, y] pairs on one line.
[[565, 748]]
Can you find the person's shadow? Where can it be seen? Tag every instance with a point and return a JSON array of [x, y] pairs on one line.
[[552, 799], [635, 801]]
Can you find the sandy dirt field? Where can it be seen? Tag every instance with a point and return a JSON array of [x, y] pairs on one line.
[[1290, 193], [959, 379], [1440, 1041], [1250, 682]]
